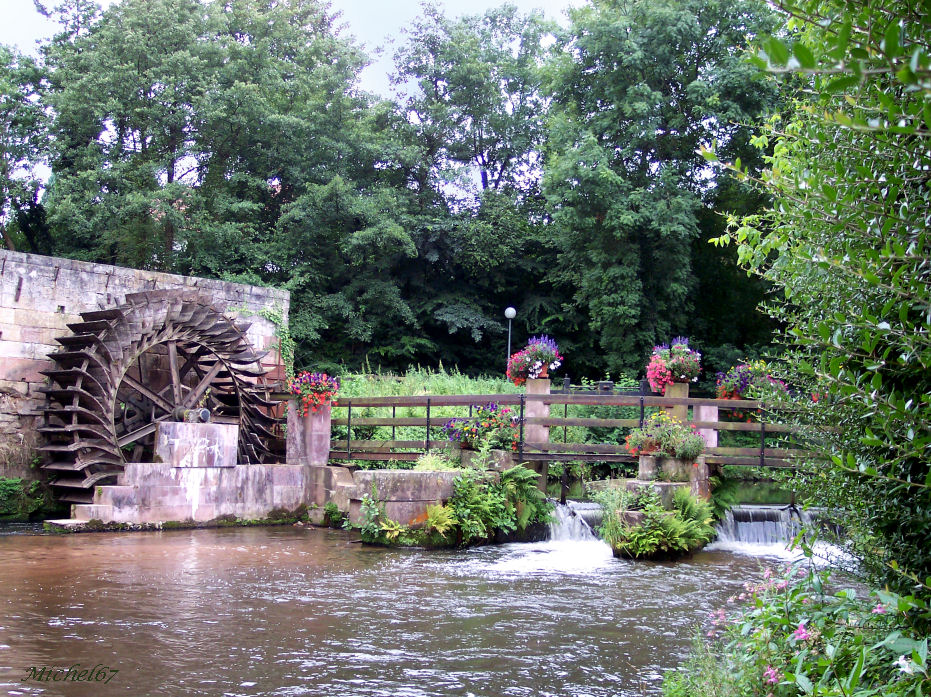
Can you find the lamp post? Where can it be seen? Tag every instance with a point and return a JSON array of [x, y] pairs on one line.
[[510, 313]]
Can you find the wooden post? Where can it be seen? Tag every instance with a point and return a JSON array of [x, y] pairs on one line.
[[678, 390], [708, 413]]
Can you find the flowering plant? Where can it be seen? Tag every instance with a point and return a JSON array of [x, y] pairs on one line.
[[747, 381], [539, 356], [673, 363], [490, 423], [666, 435], [787, 636], [314, 390]]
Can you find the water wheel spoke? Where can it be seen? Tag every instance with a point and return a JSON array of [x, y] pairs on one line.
[[140, 433], [175, 372], [195, 394], [191, 359], [162, 404]]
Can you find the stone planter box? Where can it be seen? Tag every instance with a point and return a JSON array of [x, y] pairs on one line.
[[671, 469], [405, 494]]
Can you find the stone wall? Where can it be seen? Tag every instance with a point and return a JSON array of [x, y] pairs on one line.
[[40, 295]]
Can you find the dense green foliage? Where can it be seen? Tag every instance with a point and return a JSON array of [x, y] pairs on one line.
[[847, 245], [231, 140], [22, 129], [660, 533], [20, 499], [638, 89]]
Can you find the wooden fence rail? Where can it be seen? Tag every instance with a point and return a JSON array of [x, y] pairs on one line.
[[346, 415]]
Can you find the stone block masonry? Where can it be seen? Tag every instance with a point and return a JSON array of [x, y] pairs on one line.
[[40, 296]]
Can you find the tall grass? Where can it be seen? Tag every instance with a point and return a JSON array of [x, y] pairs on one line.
[[417, 381], [421, 381]]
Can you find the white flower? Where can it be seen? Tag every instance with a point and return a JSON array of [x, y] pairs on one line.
[[905, 665]]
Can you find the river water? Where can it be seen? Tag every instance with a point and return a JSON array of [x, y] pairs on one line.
[[294, 611]]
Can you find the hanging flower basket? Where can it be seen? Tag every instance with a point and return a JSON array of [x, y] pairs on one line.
[[313, 391], [673, 363], [535, 360]]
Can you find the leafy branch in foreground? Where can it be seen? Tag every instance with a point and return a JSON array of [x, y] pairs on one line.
[[846, 245]]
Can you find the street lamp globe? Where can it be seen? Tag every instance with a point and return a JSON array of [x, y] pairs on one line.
[[510, 313]]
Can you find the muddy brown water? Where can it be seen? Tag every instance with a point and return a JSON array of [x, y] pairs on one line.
[[292, 611]]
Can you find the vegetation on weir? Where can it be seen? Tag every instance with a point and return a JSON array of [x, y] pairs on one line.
[[482, 507], [654, 531]]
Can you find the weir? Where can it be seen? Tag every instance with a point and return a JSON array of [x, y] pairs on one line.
[[763, 525], [759, 529]]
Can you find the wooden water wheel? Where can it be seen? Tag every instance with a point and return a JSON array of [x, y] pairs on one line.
[[124, 370]]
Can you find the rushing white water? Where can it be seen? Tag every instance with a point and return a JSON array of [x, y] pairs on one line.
[[774, 531], [569, 525], [571, 548], [762, 525], [761, 531]]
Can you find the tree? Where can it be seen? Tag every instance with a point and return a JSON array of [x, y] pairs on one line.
[[22, 148], [846, 243], [474, 127], [479, 103], [637, 89]]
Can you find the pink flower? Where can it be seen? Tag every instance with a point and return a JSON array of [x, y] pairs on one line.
[[771, 675], [801, 634], [880, 609]]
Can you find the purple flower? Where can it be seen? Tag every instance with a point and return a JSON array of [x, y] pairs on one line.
[[801, 634], [543, 342], [771, 675]]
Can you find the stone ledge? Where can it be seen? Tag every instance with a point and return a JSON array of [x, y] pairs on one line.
[[298, 518]]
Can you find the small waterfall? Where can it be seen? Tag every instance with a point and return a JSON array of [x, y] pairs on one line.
[[762, 525], [569, 523]]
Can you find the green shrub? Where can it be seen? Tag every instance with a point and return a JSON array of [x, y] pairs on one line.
[[332, 516], [661, 534], [524, 499], [435, 462], [21, 498], [480, 508]]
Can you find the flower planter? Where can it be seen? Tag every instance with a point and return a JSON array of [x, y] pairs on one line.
[[308, 435]]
